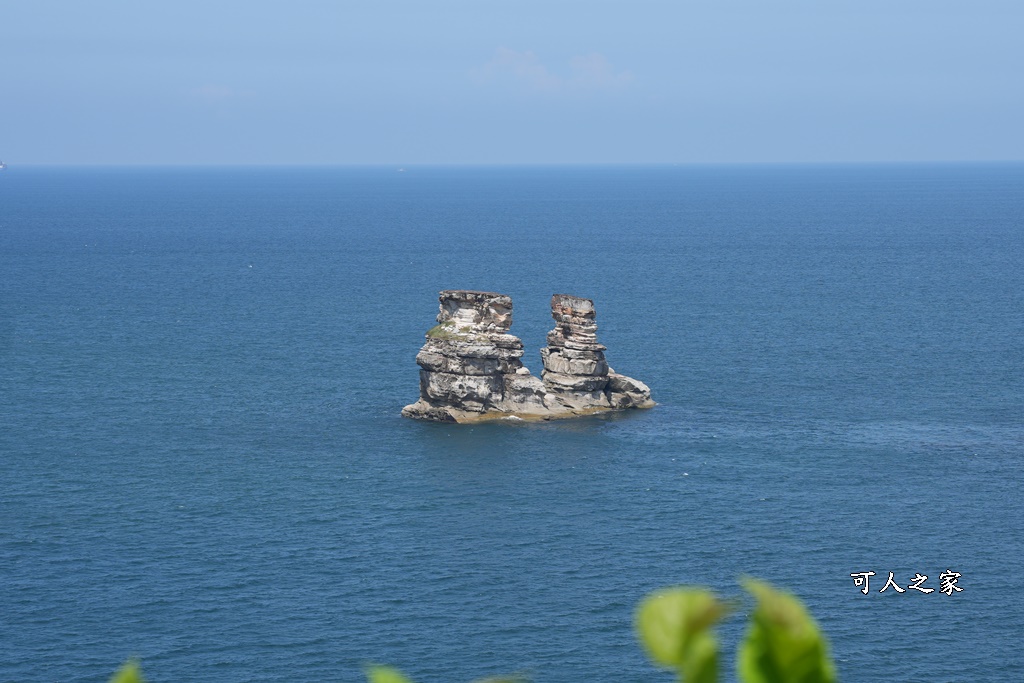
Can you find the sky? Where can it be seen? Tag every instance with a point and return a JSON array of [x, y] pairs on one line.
[[510, 81]]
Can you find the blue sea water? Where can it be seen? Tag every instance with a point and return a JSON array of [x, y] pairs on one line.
[[202, 461]]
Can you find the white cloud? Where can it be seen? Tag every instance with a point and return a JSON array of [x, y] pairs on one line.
[[521, 67], [594, 71], [584, 73]]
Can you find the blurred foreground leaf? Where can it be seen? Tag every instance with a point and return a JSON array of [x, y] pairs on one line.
[[385, 674], [675, 626], [783, 643], [129, 673]]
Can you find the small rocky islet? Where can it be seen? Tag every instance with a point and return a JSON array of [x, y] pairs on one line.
[[471, 368]]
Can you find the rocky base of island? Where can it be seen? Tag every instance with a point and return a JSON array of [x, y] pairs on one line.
[[471, 368]]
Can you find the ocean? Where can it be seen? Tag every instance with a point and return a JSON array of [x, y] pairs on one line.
[[202, 462]]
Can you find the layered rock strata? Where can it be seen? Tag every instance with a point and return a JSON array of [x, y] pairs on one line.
[[471, 367], [576, 374]]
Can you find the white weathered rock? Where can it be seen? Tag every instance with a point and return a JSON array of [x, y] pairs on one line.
[[575, 369], [471, 368]]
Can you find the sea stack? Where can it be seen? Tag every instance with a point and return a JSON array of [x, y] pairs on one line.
[[576, 374], [470, 364], [471, 367]]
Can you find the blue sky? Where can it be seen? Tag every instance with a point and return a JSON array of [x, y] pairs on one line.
[[510, 81]]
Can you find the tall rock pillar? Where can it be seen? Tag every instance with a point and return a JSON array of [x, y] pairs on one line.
[[470, 365], [576, 374]]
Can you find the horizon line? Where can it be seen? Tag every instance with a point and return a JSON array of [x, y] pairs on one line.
[[515, 164]]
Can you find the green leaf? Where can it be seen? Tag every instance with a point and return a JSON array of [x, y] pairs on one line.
[[129, 673], [384, 674], [783, 643], [675, 627]]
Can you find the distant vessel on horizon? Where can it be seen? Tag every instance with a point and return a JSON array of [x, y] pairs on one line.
[[2, 165]]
